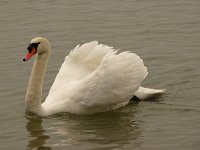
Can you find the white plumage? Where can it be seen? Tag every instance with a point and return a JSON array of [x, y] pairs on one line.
[[94, 78]]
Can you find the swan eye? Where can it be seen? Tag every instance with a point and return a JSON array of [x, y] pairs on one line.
[[32, 45]]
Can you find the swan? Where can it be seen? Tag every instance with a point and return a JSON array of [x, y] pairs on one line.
[[93, 78]]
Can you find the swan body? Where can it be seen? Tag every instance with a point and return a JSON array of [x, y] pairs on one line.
[[93, 78]]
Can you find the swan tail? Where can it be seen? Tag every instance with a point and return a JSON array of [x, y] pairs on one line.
[[146, 93]]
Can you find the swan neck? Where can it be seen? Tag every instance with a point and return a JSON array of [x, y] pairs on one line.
[[35, 85]]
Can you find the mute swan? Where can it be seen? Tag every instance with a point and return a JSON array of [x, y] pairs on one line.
[[93, 78]]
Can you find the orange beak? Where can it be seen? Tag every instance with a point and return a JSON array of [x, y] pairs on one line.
[[30, 54]]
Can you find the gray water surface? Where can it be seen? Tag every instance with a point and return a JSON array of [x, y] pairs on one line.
[[166, 34]]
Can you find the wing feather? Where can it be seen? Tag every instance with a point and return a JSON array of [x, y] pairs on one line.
[[81, 61], [115, 80], [93, 78]]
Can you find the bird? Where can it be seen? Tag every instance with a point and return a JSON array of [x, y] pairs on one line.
[[93, 78]]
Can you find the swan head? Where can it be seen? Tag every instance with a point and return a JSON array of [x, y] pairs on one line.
[[38, 45]]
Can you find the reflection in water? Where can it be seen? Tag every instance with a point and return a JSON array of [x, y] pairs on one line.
[[100, 131], [108, 130], [36, 134]]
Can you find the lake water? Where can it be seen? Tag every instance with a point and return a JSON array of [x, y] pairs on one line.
[[166, 34]]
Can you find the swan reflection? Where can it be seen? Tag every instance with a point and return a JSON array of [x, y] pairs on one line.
[[108, 130], [37, 137]]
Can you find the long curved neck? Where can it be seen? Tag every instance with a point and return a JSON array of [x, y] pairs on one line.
[[35, 85]]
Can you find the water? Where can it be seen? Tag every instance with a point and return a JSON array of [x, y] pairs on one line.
[[165, 34]]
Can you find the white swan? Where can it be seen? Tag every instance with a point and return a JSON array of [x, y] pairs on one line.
[[93, 78]]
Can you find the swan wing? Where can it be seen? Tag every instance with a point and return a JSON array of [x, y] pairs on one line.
[[81, 61], [115, 80], [95, 78]]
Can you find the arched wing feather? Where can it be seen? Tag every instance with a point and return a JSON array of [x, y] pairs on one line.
[[95, 77], [115, 80]]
